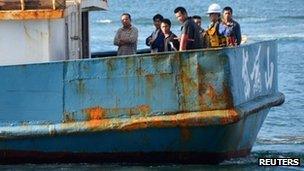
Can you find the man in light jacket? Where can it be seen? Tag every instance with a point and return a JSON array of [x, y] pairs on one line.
[[126, 37]]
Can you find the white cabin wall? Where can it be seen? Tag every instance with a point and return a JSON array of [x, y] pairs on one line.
[[32, 41], [58, 42], [20, 39], [42, 39]]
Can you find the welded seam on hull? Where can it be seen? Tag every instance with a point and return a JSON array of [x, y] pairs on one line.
[[175, 64]]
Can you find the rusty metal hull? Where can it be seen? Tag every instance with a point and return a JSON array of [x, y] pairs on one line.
[[199, 144], [199, 106]]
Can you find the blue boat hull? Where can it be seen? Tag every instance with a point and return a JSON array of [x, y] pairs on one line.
[[210, 144], [188, 107]]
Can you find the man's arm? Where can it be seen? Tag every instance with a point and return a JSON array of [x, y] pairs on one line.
[[148, 40], [132, 38], [238, 34], [117, 38], [184, 36], [183, 42]]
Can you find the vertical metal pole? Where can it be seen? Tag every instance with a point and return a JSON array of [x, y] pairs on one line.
[[22, 4], [54, 4], [80, 30]]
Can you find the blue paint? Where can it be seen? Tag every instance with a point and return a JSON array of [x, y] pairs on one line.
[[31, 93], [37, 99], [257, 86], [208, 139]]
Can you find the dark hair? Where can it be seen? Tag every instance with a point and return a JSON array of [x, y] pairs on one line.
[[166, 21], [180, 9], [197, 17], [127, 14], [158, 16], [228, 9]]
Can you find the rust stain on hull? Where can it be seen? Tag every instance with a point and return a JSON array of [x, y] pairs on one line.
[[99, 113], [144, 110], [215, 117], [31, 14], [232, 116], [210, 98], [188, 83], [95, 113], [68, 117]]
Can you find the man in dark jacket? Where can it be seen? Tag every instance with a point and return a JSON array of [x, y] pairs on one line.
[[156, 39], [190, 32], [171, 41]]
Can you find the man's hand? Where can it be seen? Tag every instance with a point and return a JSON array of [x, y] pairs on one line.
[[151, 41], [122, 42]]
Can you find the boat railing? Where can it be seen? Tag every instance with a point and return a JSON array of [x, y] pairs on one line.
[[114, 53]]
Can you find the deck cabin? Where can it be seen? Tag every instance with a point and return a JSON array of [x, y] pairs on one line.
[[34, 31]]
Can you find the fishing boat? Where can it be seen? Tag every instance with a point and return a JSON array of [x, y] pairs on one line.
[[58, 104]]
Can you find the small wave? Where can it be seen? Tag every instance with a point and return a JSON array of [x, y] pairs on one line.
[[286, 36], [262, 19], [292, 17], [143, 21], [240, 161], [272, 154], [281, 140], [106, 21], [252, 19]]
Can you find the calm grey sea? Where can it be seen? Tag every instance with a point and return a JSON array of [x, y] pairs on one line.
[[282, 134]]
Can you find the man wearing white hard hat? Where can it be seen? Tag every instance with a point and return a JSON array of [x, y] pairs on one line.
[[214, 38]]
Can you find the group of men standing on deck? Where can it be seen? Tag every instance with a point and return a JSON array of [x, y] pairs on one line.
[[222, 31]]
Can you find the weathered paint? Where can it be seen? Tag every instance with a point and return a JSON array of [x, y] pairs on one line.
[[45, 30], [31, 4], [203, 142], [167, 102], [38, 41], [96, 123], [253, 71], [95, 113], [31, 14], [127, 82]]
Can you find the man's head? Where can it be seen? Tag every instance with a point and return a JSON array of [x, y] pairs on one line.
[[165, 26], [181, 14], [214, 17], [126, 20], [157, 20], [227, 13], [198, 20], [214, 12]]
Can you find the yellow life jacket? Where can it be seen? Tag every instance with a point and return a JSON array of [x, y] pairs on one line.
[[214, 39]]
